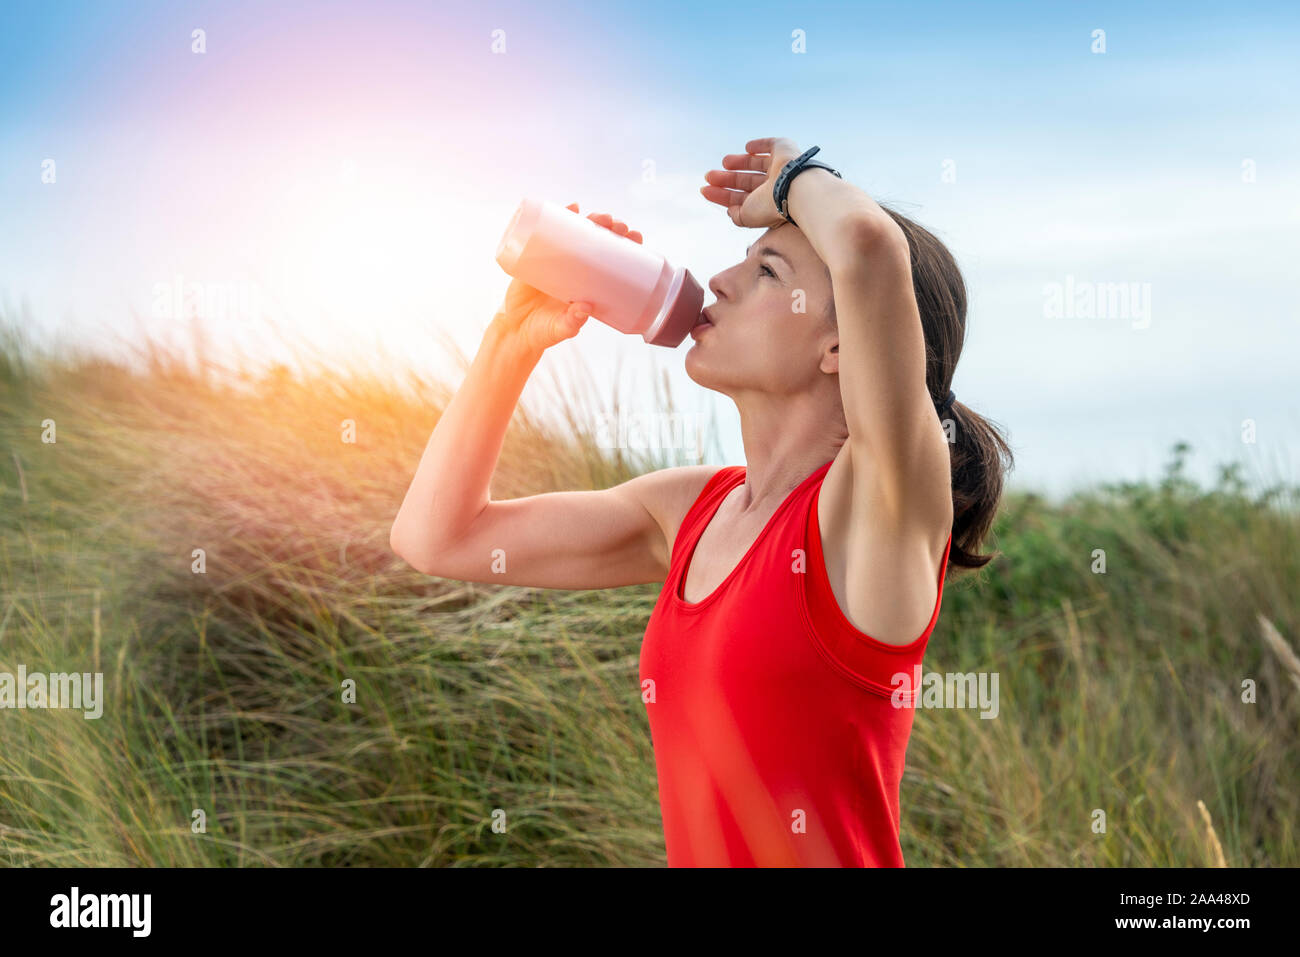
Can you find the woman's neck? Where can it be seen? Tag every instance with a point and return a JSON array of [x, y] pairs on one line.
[[787, 438]]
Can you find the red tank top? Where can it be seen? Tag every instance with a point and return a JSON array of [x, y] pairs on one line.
[[776, 741]]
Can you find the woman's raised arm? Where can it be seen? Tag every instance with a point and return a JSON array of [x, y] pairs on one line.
[[447, 524]]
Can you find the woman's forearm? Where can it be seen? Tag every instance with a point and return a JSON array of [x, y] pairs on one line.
[[450, 487], [833, 214]]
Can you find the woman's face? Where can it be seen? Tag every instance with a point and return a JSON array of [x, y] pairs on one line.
[[771, 330]]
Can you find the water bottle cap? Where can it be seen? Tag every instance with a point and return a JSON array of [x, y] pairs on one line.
[[680, 313]]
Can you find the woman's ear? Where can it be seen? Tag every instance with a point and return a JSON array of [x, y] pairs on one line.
[[830, 363]]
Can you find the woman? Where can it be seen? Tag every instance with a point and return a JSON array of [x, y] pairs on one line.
[[799, 590]]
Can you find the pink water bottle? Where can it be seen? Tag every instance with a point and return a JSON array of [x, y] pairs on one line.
[[567, 256]]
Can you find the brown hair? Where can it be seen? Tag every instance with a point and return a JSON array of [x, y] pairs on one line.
[[980, 454]]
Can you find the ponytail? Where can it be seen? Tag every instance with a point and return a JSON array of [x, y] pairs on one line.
[[980, 458]]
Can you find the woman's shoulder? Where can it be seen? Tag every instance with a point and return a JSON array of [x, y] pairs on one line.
[[669, 494]]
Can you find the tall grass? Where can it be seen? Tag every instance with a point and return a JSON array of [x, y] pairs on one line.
[[1120, 692]]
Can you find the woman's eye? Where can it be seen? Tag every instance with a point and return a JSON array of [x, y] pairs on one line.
[[768, 269]]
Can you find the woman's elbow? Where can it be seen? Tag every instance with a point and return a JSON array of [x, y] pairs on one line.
[[405, 550]]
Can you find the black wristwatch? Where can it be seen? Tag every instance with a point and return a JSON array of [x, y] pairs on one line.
[[781, 188]]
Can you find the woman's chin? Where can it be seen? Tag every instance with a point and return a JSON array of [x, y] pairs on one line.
[[695, 367], [704, 370]]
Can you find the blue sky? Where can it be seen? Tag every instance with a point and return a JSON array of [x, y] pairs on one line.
[[359, 162]]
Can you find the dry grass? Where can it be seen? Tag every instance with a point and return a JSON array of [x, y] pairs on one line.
[[1121, 693]]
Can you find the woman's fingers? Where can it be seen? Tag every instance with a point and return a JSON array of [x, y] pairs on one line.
[[730, 187], [759, 164], [723, 197], [609, 222], [770, 144], [614, 225], [572, 320], [729, 179]]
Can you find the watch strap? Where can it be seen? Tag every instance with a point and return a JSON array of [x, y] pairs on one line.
[[781, 188]]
